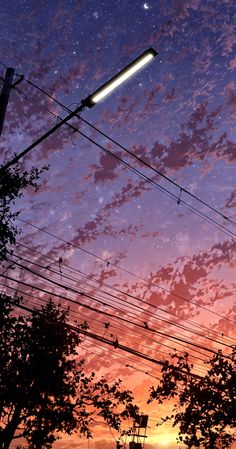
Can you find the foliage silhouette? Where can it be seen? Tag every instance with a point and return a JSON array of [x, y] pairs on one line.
[[205, 407], [12, 184], [43, 387]]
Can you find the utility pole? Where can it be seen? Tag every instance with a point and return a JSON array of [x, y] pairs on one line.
[[91, 100], [4, 97], [45, 136]]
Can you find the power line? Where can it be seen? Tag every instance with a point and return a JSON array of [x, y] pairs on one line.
[[61, 297], [124, 357], [30, 302], [123, 162], [108, 342], [125, 270], [101, 353], [130, 323], [143, 347], [138, 308], [104, 340], [42, 137], [113, 351], [86, 295], [118, 290], [118, 298], [143, 162], [182, 189]]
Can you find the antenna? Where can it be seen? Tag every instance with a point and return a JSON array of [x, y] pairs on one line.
[[138, 439]]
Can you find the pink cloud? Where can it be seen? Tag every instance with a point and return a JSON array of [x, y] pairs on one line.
[[232, 63], [231, 201]]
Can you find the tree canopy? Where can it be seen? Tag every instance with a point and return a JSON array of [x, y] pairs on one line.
[[43, 386], [205, 407], [12, 185]]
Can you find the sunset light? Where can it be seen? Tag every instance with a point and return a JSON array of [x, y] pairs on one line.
[[117, 224]]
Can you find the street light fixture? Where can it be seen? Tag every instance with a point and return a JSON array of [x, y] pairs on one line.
[[91, 100], [120, 77]]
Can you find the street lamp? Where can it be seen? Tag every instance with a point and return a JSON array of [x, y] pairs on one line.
[[91, 100], [120, 77]]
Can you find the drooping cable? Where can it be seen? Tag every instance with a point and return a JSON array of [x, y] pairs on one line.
[[200, 327], [143, 162], [146, 178], [176, 295], [141, 309], [86, 295]]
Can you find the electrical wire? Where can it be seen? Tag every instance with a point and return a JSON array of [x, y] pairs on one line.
[[182, 189], [143, 162], [134, 170], [144, 336], [91, 308], [137, 332], [105, 340], [137, 308], [113, 352], [122, 292], [176, 295]]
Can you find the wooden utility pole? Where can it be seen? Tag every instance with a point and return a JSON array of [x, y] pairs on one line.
[[4, 97]]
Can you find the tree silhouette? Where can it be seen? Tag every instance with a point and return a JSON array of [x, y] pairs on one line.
[[12, 184], [43, 387], [205, 407]]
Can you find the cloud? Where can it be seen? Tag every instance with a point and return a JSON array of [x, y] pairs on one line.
[[231, 201], [232, 63], [104, 444], [230, 95], [192, 278], [107, 168], [195, 142]]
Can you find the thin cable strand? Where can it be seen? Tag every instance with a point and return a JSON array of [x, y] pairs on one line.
[[89, 276], [125, 270], [139, 308]]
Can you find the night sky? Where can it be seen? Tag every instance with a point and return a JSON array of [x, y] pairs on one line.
[[108, 227]]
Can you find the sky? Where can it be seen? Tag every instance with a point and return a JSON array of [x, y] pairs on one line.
[[151, 245]]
